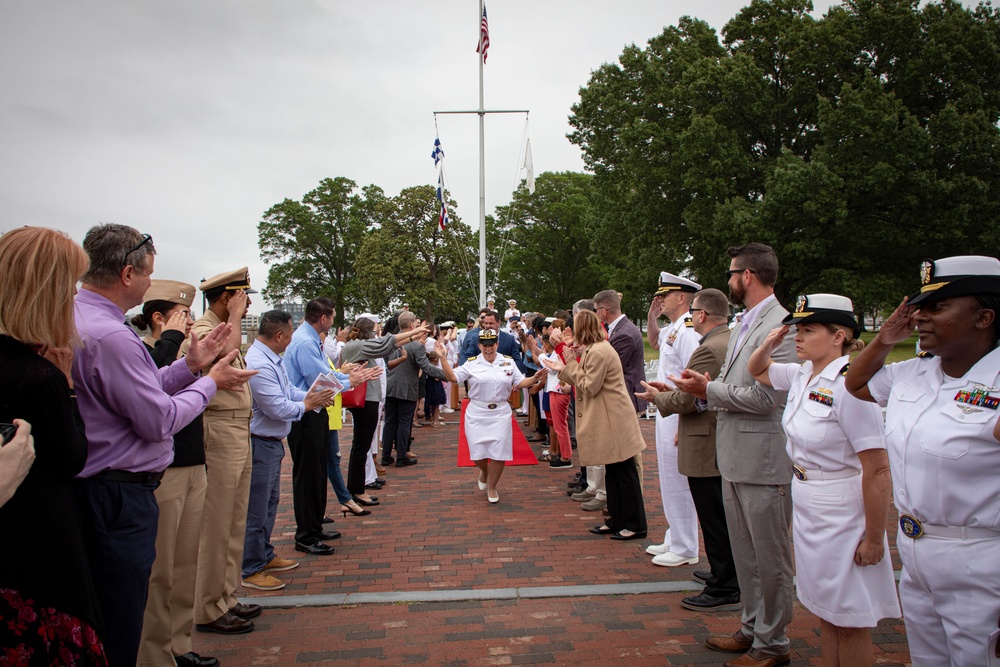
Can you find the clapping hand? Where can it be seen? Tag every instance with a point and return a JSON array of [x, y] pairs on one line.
[[319, 398], [554, 365], [652, 389], [203, 352], [692, 383], [364, 374], [225, 376]]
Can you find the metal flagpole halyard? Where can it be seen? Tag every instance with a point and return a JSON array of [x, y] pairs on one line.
[[481, 112]]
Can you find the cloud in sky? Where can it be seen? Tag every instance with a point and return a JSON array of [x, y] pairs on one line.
[[189, 119]]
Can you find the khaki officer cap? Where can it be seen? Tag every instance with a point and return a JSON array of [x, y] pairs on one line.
[[229, 281], [171, 291]]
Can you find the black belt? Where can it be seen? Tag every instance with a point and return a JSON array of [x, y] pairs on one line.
[[132, 477], [265, 437]]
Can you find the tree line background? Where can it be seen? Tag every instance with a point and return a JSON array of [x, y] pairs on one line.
[[856, 144]]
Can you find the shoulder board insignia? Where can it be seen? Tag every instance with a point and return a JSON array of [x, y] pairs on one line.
[[689, 323], [473, 358], [843, 371], [925, 355], [506, 356]]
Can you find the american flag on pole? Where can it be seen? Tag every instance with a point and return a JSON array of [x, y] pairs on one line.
[[484, 35], [438, 156]]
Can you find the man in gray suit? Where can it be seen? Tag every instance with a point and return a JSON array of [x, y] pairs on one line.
[[756, 471], [401, 393]]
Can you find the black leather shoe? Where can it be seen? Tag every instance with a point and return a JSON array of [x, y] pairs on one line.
[[227, 624], [388, 461], [318, 549], [327, 519], [329, 535], [246, 611], [632, 535], [702, 576], [366, 503], [402, 463], [380, 480], [192, 659], [374, 486], [706, 602]]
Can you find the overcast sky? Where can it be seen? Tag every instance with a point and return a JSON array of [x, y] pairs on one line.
[[188, 119]]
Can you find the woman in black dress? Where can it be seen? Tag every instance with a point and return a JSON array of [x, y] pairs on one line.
[[48, 607]]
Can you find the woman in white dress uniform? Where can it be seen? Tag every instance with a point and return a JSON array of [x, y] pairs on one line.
[[841, 482], [488, 428], [941, 434]]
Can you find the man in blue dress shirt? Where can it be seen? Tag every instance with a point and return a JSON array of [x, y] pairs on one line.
[[307, 439]]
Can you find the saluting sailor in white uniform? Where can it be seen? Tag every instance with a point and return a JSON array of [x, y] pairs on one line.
[[941, 434], [676, 343], [840, 492], [488, 426]]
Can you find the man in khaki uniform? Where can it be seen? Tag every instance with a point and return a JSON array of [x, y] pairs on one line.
[[229, 461]]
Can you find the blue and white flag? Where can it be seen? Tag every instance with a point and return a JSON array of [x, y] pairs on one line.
[[438, 156]]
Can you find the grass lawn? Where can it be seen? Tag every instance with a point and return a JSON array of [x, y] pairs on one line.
[[905, 350]]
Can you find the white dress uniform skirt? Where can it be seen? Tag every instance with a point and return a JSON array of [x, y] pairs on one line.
[[489, 432], [828, 525]]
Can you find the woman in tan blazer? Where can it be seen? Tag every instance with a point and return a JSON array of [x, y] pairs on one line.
[[606, 425]]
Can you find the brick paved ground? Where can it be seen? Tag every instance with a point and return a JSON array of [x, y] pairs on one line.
[[435, 532]]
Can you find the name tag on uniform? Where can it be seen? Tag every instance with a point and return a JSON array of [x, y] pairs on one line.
[[822, 396]]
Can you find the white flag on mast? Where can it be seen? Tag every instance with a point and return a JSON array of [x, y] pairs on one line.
[[530, 176]]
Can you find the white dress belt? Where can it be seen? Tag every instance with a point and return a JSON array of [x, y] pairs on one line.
[[818, 475], [491, 406]]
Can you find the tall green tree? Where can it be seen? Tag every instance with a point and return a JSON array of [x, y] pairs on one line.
[[311, 244], [546, 262], [856, 144], [407, 257]]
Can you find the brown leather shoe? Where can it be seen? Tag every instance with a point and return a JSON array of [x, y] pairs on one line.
[[246, 611], [227, 624], [754, 658], [735, 643]]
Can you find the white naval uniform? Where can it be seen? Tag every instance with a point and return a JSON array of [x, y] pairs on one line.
[[945, 467], [677, 342], [826, 427], [488, 430]]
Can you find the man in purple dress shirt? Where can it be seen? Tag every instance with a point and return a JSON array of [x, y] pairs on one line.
[[131, 410]]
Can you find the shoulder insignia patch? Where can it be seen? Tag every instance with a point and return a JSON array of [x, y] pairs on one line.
[[506, 356], [843, 371], [473, 358], [689, 323], [925, 355]]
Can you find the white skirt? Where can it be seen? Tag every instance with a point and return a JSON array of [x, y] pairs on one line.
[[489, 432], [828, 524]]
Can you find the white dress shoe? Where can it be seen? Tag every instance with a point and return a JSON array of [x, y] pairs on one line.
[[657, 549], [482, 485], [670, 559], [491, 498]]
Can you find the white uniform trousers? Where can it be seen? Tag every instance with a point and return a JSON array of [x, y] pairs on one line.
[[950, 600], [595, 482], [678, 506], [370, 473]]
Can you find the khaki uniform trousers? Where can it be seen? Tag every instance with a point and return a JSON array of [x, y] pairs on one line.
[[229, 461], [167, 622]]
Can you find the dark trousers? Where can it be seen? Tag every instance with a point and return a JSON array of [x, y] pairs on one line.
[[572, 418], [307, 441], [365, 423], [120, 534], [707, 495], [624, 497], [398, 424]]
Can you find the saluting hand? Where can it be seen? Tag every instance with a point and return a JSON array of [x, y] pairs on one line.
[[774, 338], [203, 352], [899, 326], [177, 322], [225, 376]]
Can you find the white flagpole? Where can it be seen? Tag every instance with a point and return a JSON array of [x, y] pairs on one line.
[[482, 174]]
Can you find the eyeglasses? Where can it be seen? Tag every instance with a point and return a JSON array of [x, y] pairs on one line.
[[146, 238], [732, 272], [696, 310]]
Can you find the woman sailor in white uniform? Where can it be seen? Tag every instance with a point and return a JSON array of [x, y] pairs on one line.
[[841, 487], [488, 427], [941, 433]]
